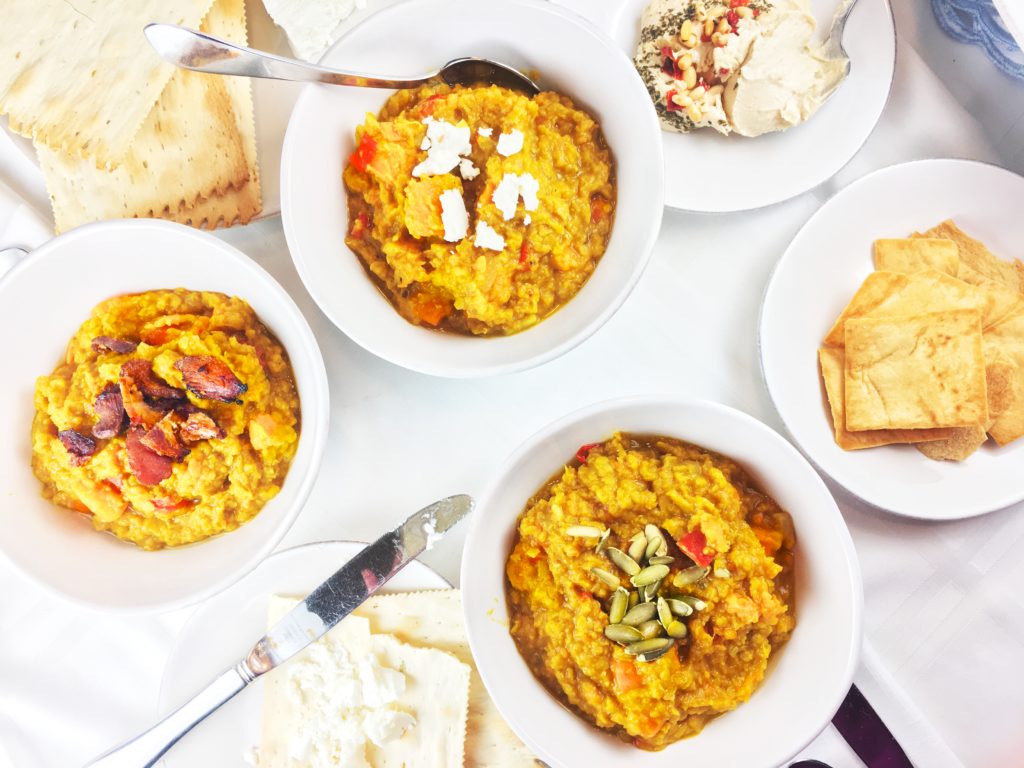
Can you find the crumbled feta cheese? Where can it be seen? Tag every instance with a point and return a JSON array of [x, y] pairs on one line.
[[488, 237], [448, 144], [310, 24], [384, 725], [485, 130], [511, 187], [453, 215], [510, 143], [467, 169]]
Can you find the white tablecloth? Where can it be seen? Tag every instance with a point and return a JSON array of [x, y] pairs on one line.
[[944, 621]]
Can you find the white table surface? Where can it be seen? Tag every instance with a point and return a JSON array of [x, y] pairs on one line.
[[944, 621]]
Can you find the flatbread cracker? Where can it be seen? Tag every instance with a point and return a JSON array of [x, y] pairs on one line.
[[1005, 343], [831, 360], [80, 78], [189, 147], [241, 203], [910, 255], [436, 695], [963, 442], [915, 372], [890, 294], [434, 619], [976, 261]]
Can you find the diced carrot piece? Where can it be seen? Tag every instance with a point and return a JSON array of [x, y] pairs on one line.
[[430, 310], [695, 546], [626, 676], [423, 205], [770, 539], [364, 153]]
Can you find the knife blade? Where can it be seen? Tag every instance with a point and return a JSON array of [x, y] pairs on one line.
[[325, 606], [869, 737], [355, 581]]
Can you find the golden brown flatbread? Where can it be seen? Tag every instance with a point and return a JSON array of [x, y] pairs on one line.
[[831, 360], [915, 372], [910, 255], [977, 262]]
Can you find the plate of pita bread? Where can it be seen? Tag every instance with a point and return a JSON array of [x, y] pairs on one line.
[[892, 338], [392, 684]]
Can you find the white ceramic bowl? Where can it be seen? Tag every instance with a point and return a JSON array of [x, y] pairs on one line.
[[807, 678], [573, 58], [43, 301]]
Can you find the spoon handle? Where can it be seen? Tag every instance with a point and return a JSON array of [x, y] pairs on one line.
[[205, 53]]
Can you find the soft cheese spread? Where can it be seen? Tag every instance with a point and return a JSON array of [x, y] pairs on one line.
[[744, 66]]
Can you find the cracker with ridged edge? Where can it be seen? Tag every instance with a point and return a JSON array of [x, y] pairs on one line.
[[915, 372], [910, 255], [241, 203], [188, 148], [433, 619], [436, 695], [1005, 342], [831, 361], [79, 77]]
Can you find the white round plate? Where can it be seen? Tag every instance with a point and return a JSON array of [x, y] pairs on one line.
[[706, 172], [221, 632], [816, 277], [417, 36], [1012, 14], [807, 679]]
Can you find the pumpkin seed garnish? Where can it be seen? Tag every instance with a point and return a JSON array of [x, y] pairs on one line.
[[637, 546], [679, 607], [606, 577], [651, 629], [639, 614], [652, 532], [694, 602], [603, 542], [649, 575], [620, 633], [689, 576], [619, 604], [624, 561], [653, 655], [664, 612], [653, 545], [722, 573], [584, 531], [660, 560], [676, 629], [649, 592], [634, 598], [649, 646]]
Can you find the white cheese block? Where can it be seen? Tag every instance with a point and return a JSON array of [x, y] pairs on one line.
[[309, 24]]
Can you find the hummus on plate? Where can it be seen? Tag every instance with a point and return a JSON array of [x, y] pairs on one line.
[[173, 417], [649, 584], [747, 67]]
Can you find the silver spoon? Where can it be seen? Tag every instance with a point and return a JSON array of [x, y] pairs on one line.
[[832, 48], [204, 53]]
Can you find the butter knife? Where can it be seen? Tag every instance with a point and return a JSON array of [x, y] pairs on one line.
[[325, 606]]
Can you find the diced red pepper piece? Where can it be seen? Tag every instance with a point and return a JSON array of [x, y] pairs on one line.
[[695, 546], [733, 18], [584, 451], [705, 38], [756, 13], [670, 105], [360, 225], [427, 105], [364, 153], [524, 252], [738, 3]]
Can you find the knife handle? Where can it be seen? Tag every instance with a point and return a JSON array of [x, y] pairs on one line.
[[144, 750]]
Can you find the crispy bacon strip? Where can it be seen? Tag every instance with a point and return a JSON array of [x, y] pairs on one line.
[[210, 378], [110, 344], [109, 407], [162, 438], [146, 399], [79, 447], [199, 426], [149, 467]]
